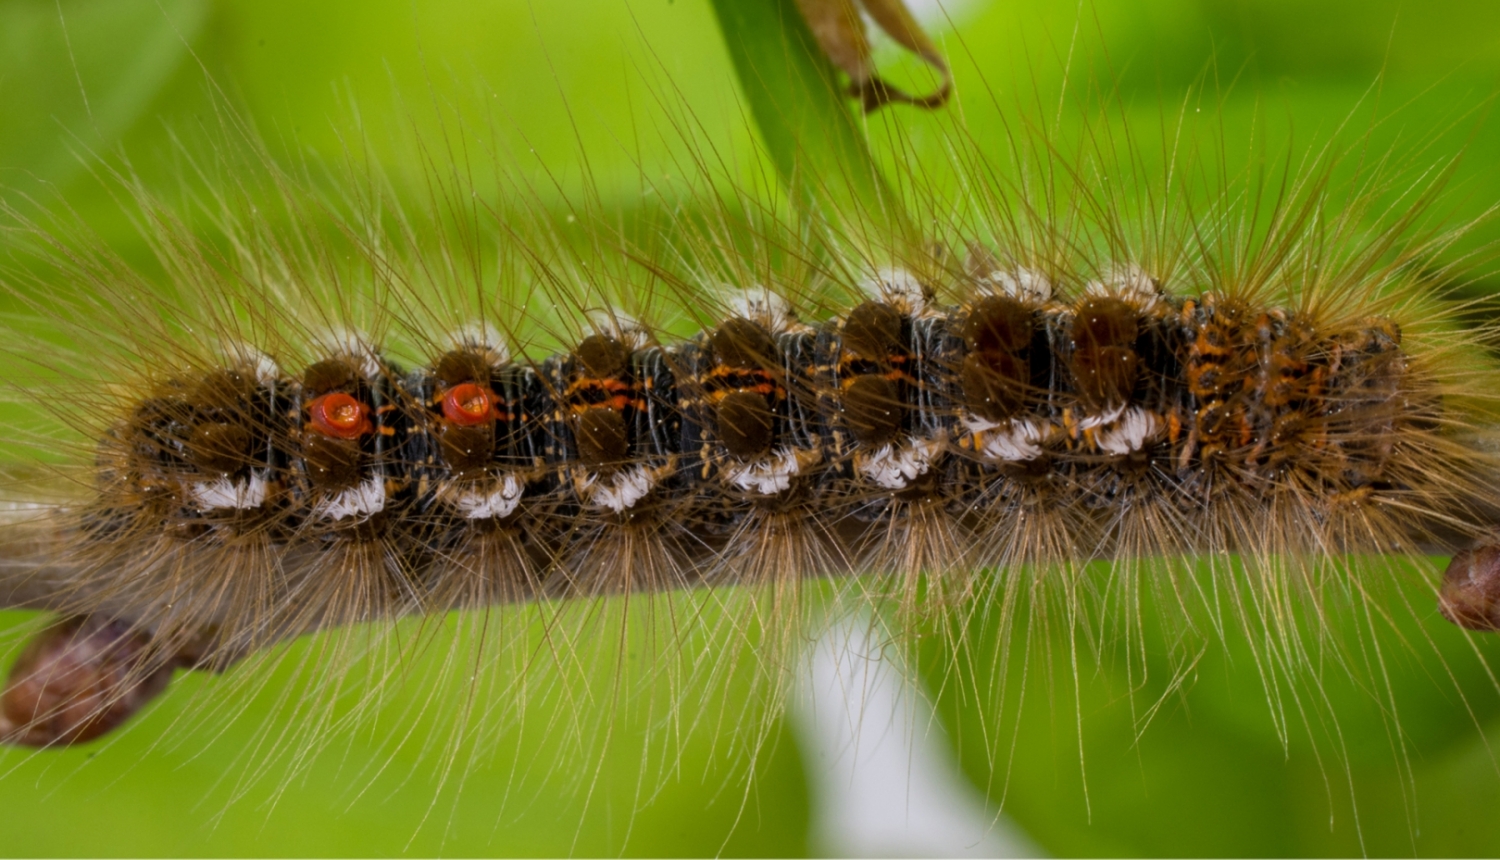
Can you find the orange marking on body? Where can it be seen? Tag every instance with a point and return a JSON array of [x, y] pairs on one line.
[[1195, 374], [1204, 345], [618, 393]]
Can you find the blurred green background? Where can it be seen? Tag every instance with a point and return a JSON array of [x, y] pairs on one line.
[[563, 79]]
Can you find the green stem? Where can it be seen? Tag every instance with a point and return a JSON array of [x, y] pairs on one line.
[[806, 124]]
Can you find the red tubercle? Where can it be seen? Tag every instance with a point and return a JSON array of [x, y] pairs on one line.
[[339, 416], [467, 404]]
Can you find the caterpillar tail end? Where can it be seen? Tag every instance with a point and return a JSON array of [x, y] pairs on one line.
[[1470, 595], [79, 680]]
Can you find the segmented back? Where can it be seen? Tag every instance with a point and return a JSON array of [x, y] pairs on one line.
[[1105, 410]]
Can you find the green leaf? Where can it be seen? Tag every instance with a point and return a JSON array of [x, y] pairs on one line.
[[805, 122]]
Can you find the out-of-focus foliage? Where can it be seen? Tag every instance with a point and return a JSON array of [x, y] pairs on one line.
[[548, 83]]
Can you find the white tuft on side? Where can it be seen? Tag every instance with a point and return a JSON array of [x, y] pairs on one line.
[[898, 287], [483, 337], [620, 491], [1130, 432], [1129, 282], [759, 304], [1092, 422], [1025, 285], [353, 344], [365, 500], [1013, 441], [496, 504], [768, 476], [262, 366], [895, 466], [617, 324], [224, 493]]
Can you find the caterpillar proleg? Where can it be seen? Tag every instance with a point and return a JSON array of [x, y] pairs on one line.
[[459, 463]]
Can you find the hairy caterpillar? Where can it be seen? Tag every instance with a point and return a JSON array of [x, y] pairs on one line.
[[357, 483], [363, 581]]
